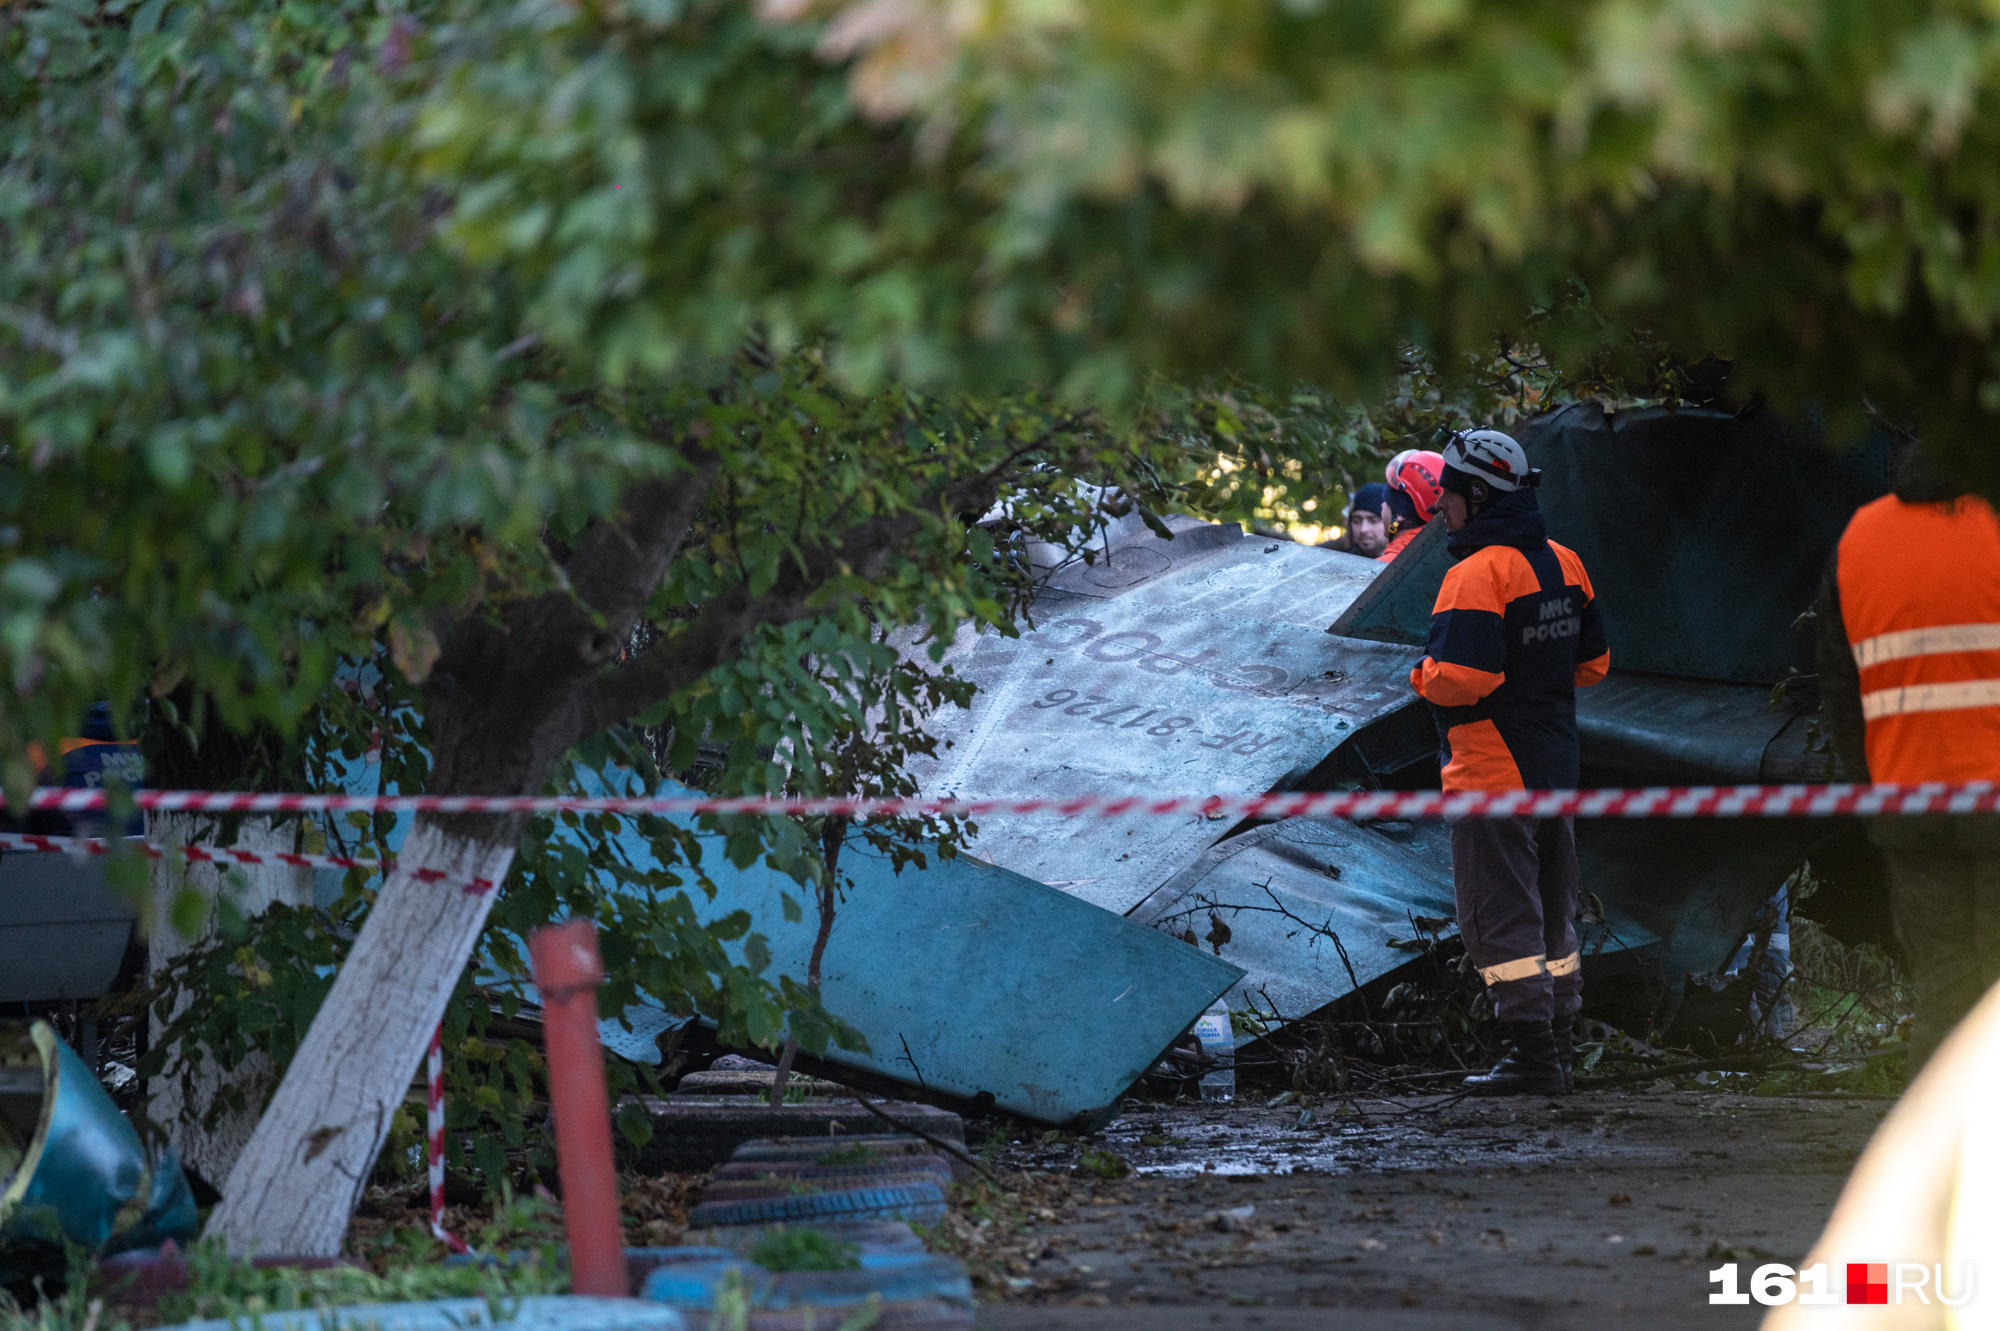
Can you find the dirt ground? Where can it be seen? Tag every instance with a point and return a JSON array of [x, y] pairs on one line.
[[1600, 1209]]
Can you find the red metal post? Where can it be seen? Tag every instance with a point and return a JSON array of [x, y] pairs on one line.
[[567, 971]]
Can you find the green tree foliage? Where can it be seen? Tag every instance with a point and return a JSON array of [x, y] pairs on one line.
[[647, 362], [254, 421], [1086, 195], [287, 408], [273, 399]]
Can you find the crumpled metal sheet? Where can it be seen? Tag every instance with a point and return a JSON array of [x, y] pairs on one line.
[[973, 983], [72, 1167], [1697, 888], [1396, 607], [1705, 535], [1278, 886], [1197, 669], [1282, 887], [1175, 626], [1654, 729]]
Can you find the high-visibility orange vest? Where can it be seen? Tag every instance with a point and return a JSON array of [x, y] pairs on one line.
[[1920, 599]]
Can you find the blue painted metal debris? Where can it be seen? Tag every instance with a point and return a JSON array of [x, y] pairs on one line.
[[1141, 666], [1220, 641], [1286, 891], [73, 1169], [969, 981], [696, 1285], [63, 931]]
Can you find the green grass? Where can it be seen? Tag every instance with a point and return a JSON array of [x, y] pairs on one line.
[[410, 1271], [733, 1302], [220, 1286], [1103, 1164], [804, 1250]]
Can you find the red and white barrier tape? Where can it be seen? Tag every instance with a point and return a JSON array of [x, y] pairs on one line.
[[93, 846], [1382, 805], [434, 1141], [1650, 802]]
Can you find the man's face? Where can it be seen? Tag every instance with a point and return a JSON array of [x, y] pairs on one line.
[[1456, 511], [1367, 533]]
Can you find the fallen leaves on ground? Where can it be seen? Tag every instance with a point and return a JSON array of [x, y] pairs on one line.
[[987, 1226], [392, 1225], [655, 1210]]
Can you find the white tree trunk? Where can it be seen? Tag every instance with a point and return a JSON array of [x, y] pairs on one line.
[[211, 1152], [300, 1176]]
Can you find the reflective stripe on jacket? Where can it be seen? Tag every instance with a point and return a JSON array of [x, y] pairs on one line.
[[1514, 634], [1920, 601]]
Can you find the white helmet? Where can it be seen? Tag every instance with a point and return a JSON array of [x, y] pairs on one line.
[[1490, 457]]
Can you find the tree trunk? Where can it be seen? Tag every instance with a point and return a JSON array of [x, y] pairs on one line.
[[303, 1170], [832, 837], [211, 1152]]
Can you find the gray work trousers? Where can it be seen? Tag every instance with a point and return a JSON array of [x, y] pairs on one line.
[[1517, 885], [1944, 892]]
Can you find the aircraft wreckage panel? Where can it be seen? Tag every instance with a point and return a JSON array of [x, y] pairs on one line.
[[972, 985], [1669, 510], [1652, 729], [1285, 891], [1143, 693], [1206, 570], [970, 981]]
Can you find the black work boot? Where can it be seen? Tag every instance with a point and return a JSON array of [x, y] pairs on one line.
[[1530, 1067], [1563, 1028]]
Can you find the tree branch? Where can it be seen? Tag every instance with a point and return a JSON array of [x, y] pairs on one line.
[[518, 681], [716, 634], [619, 564]]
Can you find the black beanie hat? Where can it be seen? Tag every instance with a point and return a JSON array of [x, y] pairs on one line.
[[1369, 498]]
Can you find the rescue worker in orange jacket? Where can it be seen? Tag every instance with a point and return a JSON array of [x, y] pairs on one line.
[[1909, 660], [1413, 476], [1514, 634], [94, 760]]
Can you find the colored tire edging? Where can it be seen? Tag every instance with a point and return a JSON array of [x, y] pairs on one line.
[[922, 1202], [695, 1285], [534, 1312]]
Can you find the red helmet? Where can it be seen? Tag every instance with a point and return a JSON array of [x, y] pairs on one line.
[[1419, 474]]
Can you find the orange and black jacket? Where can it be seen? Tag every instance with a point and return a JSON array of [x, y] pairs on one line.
[[1514, 634], [1909, 648]]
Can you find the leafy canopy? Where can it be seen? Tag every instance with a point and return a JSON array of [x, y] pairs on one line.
[[331, 325], [292, 415], [345, 336], [1088, 195]]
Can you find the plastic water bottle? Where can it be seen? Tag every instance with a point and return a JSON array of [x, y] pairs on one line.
[[1218, 1043]]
